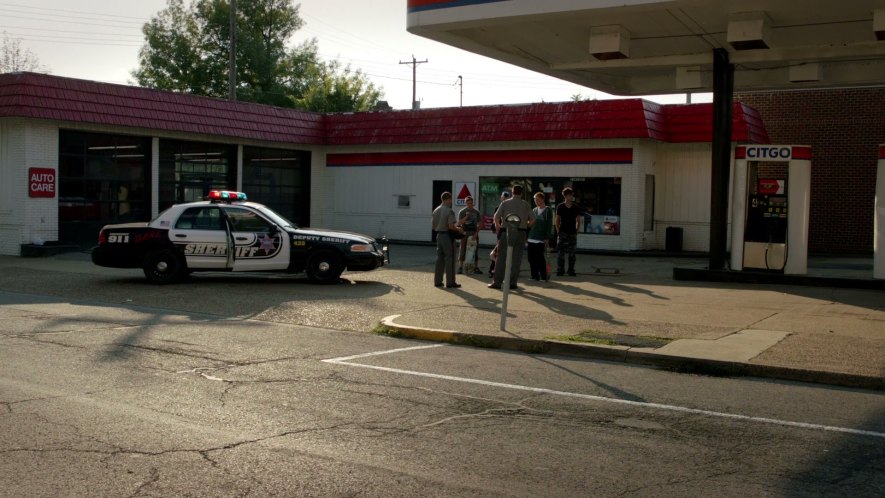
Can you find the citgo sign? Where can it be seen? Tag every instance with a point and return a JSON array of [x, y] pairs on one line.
[[770, 152], [773, 153], [41, 182]]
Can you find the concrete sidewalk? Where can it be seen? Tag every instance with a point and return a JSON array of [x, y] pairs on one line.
[[628, 308]]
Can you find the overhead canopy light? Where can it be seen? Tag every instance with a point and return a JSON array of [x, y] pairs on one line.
[[609, 42], [749, 30]]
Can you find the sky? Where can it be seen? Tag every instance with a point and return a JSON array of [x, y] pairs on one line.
[[100, 39]]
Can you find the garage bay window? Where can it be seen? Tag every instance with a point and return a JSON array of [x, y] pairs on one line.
[[189, 170], [103, 179], [279, 179]]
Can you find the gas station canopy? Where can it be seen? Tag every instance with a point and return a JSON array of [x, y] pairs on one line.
[[642, 47]]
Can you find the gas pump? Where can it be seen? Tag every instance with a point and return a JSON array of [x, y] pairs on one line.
[[769, 212], [765, 234]]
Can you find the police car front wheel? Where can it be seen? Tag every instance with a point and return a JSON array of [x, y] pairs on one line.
[[324, 267]]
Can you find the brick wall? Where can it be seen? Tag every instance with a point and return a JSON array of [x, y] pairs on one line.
[[844, 127]]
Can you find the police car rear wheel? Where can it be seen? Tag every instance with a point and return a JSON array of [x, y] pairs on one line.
[[324, 267], [162, 267]]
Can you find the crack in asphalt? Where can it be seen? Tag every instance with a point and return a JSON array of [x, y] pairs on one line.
[[154, 477], [488, 413], [203, 452], [34, 338], [176, 352]]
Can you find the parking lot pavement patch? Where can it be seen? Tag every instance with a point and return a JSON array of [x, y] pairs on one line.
[[741, 346]]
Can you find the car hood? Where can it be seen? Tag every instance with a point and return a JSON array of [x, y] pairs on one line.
[[338, 234]]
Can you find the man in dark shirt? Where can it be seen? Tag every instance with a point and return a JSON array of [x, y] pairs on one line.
[[567, 221]]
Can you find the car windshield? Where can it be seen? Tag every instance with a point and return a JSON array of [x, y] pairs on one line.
[[276, 217], [157, 217]]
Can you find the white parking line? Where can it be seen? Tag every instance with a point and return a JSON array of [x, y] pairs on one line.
[[346, 360]]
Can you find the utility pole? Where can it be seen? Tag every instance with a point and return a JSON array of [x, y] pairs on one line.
[[461, 90], [414, 64], [232, 77]]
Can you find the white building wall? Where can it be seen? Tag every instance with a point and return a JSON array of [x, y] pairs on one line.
[[41, 152], [322, 191], [683, 193], [648, 160], [12, 154], [23, 219], [365, 198]]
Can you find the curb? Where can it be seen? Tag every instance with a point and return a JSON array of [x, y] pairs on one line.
[[635, 356], [759, 277]]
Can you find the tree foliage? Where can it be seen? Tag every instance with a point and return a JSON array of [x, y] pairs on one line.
[[14, 58], [187, 49]]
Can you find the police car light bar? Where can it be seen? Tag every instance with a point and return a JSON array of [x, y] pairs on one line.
[[226, 195]]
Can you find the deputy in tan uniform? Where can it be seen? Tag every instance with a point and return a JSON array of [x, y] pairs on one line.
[[520, 207], [443, 222]]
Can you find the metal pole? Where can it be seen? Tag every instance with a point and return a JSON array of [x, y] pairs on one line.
[[461, 90], [506, 283], [414, 64], [414, 80], [232, 77], [723, 89]]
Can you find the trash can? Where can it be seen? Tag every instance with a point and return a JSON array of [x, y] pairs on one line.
[[674, 239]]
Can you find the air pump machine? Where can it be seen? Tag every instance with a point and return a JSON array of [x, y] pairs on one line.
[[769, 212]]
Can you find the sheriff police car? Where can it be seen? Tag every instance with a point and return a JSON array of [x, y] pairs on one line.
[[227, 233]]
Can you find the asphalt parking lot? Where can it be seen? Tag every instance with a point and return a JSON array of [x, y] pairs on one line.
[[830, 335]]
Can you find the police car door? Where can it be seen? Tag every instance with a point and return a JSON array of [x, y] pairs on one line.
[[202, 235], [259, 244]]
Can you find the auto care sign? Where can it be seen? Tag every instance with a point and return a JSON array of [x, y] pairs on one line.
[[41, 182]]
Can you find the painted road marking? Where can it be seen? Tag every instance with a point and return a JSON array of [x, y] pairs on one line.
[[347, 360]]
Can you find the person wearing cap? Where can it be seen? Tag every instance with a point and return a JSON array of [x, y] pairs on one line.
[[516, 205], [443, 224]]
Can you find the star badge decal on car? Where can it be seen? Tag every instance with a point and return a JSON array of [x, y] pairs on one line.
[[267, 244]]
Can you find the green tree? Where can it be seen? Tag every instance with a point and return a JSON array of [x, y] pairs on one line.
[[187, 49], [14, 58], [332, 89], [579, 97]]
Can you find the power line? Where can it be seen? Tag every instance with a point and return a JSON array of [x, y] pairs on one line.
[[65, 21], [70, 13], [89, 33], [75, 41]]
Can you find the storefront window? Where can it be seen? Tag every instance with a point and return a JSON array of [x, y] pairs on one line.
[[600, 201], [599, 198], [279, 178]]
